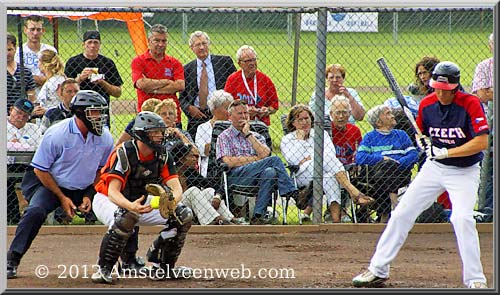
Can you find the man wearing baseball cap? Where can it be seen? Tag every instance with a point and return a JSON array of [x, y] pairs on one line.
[[94, 71], [21, 136]]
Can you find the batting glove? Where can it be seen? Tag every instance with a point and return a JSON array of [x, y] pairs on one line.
[[423, 142], [435, 153]]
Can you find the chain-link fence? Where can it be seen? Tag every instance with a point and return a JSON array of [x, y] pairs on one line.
[[294, 48]]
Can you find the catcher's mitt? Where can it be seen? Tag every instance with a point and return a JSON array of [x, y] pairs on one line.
[[167, 200]]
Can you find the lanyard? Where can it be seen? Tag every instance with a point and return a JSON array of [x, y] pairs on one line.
[[254, 94]]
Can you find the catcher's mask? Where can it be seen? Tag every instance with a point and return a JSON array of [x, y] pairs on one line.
[[150, 129], [446, 76], [90, 107]]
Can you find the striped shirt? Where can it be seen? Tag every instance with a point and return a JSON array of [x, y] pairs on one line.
[[232, 143], [14, 85]]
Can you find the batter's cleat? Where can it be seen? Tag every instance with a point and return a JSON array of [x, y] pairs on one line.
[[102, 276], [368, 279], [11, 270], [478, 285]]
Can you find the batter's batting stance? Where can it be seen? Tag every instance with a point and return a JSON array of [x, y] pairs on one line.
[[455, 133], [136, 168]]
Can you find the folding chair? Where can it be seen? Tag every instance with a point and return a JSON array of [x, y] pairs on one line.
[[294, 168], [238, 194]]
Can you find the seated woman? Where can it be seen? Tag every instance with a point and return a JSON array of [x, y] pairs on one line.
[[218, 103], [298, 149], [199, 193], [390, 155]]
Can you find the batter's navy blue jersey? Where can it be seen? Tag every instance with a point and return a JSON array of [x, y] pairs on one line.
[[453, 125]]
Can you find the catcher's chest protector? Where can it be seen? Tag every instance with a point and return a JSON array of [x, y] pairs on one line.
[[141, 173]]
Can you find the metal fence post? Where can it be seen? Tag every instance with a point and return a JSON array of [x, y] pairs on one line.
[[319, 114], [295, 68]]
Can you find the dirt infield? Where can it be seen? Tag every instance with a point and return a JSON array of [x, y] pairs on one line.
[[319, 259]]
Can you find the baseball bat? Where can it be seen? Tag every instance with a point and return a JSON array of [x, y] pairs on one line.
[[397, 92]]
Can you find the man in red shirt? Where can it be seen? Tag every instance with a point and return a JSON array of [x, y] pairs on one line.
[[156, 74], [253, 86], [346, 136]]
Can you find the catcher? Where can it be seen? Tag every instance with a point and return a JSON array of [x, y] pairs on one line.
[[135, 169]]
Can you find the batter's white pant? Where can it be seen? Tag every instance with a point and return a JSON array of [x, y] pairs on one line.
[[104, 210], [433, 179], [200, 201], [331, 187]]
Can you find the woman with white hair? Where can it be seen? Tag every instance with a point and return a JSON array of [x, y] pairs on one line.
[[218, 103], [390, 155]]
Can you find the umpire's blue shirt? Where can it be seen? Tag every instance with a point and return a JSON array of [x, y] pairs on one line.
[[69, 158]]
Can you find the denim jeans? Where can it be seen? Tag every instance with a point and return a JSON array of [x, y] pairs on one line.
[[263, 173]]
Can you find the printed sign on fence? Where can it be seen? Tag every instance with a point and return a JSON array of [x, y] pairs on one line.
[[343, 22]]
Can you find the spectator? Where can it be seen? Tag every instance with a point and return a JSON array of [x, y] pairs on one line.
[[218, 103], [346, 137], [156, 74], [52, 67], [21, 136], [335, 77], [204, 75], [34, 30], [202, 195], [14, 91], [482, 87], [386, 151], [298, 149], [423, 73], [65, 165], [167, 110], [122, 201], [94, 71], [482, 84], [66, 91], [250, 163], [253, 86]]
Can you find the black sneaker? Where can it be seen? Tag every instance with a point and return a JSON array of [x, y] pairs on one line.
[[11, 269], [134, 264]]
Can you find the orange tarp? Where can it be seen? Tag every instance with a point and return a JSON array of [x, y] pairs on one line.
[[135, 23]]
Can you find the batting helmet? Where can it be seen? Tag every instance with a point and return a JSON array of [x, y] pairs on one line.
[[146, 122], [446, 76], [90, 107]]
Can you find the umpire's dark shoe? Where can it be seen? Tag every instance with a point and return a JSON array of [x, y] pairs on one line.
[[11, 270]]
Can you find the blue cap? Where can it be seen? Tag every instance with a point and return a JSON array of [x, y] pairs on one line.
[[24, 105]]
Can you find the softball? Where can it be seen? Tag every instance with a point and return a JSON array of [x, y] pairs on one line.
[[155, 202]]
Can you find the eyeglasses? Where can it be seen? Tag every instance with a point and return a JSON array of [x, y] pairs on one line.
[[249, 60], [304, 119], [35, 29], [156, 41], [164, 114], [198, 45], [341, 113]]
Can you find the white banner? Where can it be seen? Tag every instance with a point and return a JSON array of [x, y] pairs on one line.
[[343, 22]]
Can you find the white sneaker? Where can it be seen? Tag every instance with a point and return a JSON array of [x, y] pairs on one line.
[[368, 279], [478, 285], [102, 276]]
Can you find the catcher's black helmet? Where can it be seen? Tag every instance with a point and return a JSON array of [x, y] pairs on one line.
[[146, 122], [90, 107], [446, 76]]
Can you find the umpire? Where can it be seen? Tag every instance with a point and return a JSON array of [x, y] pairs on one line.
[[64, 169]]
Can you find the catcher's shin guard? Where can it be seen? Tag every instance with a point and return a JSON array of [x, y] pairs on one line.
[[171, 248], [116, 238]]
